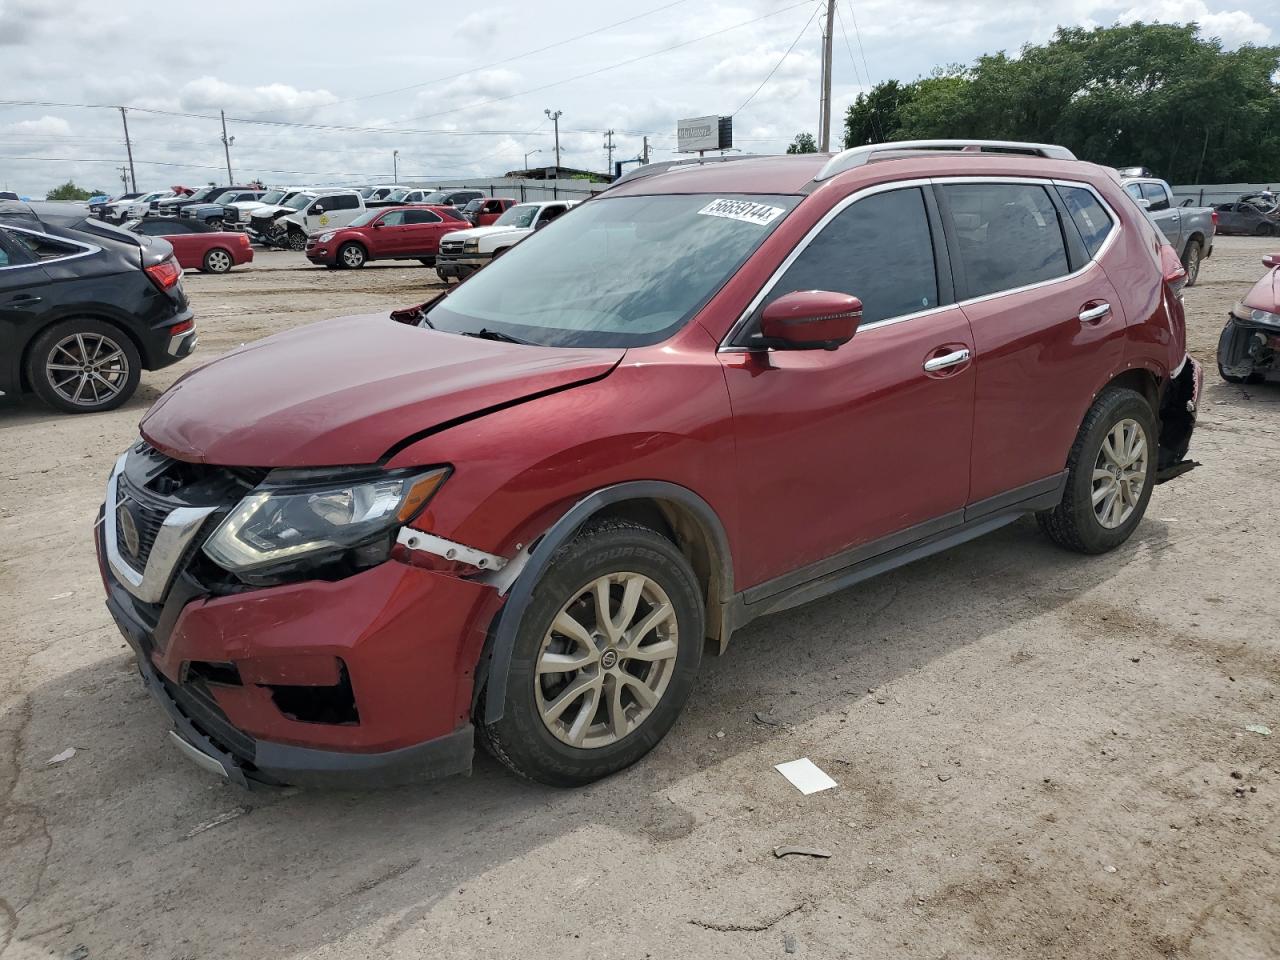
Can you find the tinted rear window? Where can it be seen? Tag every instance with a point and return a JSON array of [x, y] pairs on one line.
[[1090, 216], [1008, 235]]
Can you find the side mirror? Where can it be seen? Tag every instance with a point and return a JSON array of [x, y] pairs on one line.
[[1143, 202], [1271, 260], [379, 225], [317, 209], [810, 320], [540, 224]]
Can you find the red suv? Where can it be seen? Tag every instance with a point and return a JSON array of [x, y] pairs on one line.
[[716, 391], [397, 233]]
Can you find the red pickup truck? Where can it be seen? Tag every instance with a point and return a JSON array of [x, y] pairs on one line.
[[486, 210], [396, 233]]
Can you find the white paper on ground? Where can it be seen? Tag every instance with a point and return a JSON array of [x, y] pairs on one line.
[[805, 775]]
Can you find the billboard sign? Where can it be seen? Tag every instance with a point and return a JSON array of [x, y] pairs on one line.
[[704, 133]]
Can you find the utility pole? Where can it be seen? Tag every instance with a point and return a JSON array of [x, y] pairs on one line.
[[824, 141], [395, 166], [226, 147], [555, 118], [608, 145], [124, 178], [644, 156], [129, 147]]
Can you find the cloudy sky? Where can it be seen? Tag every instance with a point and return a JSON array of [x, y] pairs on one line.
[[463, 94]]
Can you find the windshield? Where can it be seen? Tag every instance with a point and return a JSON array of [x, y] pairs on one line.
[[521, 215], [225, 197], [298, 201], [473, 206], [271, 196], [617, 272], [440, 196], [366, 218], [397, 195]]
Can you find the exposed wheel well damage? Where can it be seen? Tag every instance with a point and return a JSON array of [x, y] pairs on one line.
[[683, 528], [673, 511], [1171, 399]]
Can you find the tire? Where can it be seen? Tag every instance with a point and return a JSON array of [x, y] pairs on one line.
[[544, 750], [1191, 259], [1226, 349], [352, 256], [427, 261], [109, 364], [297, 240], [1263, 230], [1076, 523], [216, 260]]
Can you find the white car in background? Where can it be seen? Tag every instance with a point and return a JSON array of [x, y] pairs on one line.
[[237, 214], [134, 209], [463, 252]]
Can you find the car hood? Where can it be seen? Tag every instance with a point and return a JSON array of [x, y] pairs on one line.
[[489, 231], [346, 391], [1265, 294]]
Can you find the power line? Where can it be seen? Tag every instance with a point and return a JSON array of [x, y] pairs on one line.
[[606, 68], [770, 74], [487, 66], [866, 70]]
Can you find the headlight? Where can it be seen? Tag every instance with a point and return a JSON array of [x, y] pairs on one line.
[[326, 236], [471, 245], [1250, 315], [287, 523]]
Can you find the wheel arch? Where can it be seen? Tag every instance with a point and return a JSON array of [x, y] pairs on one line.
[[674, 511]]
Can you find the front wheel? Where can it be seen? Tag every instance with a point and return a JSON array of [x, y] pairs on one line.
[[297, 240], [1263, 230], [1110, 473], [352, 256], [605, 657]]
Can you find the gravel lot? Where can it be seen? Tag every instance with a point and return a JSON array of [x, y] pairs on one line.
[[1039, 755]]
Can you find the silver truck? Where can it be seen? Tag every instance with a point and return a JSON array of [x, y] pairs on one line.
[[1189, 230]]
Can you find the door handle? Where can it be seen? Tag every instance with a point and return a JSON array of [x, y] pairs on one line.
[[24, 300], [1095, 313], [952, 359]]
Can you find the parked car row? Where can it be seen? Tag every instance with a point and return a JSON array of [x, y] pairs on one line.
[[349, 552]]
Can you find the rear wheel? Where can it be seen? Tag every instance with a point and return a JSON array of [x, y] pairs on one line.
[[1110, 473], [352, 256], [1191, 262], [216, 260], [83, 366], [1263, 230], [605, 657]]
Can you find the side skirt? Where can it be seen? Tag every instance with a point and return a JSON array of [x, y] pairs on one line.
[[888, 553]]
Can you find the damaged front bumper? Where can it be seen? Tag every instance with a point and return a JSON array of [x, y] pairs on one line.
[[364, 681], [1179, 407], [1249, 349]]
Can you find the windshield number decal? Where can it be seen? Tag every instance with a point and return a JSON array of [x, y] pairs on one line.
[[745, 210]]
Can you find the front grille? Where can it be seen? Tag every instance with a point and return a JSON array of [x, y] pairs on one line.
[[452, 246], [148, 516]]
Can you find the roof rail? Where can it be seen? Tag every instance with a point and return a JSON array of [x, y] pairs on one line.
[[858, 156], [662, 166]]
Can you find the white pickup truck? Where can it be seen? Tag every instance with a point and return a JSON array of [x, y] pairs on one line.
[[463, 252], [1189, 230]]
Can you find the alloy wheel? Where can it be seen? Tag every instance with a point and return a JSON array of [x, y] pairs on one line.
[[1193, 264], [606, 660], [1120, 473], [352, 256], [87, 369], [218, 261]]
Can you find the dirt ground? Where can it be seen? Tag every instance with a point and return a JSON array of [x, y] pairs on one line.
[[1038, 755]]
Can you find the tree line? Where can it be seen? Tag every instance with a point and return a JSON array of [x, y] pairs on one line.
[[1156, 95]]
